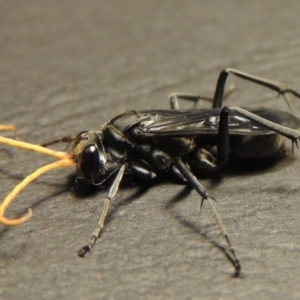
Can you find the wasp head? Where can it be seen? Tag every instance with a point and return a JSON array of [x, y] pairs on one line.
[[90, 156]]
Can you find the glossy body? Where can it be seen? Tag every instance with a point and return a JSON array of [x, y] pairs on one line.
[[148, 141]]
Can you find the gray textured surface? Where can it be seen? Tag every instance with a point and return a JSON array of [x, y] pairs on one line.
[[69, 66]]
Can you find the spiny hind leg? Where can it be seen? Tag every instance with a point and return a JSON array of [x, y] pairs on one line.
[[282, 88]]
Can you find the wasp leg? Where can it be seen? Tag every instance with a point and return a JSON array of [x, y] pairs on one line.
[[293, 135], [203, 160], [174, 97], [177, 174], [186, 173], [111, 194], [192, 180], [281, 88], [141, 170], [65, 139], [283, 130], [223, 140], [223, 132]]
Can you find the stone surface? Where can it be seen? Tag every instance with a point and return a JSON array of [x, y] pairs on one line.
[[70, 66]]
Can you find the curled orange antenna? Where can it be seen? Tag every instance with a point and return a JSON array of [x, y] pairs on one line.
[[65, 159]]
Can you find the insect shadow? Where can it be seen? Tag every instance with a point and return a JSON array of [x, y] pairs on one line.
[[200, 231]]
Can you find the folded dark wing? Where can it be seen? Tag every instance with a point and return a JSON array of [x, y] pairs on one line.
[[196, 122]]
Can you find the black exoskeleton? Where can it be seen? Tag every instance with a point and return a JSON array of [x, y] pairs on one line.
[[149, 142]]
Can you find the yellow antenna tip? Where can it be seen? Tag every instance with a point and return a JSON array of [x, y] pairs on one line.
[[17, 221], [8, 127]]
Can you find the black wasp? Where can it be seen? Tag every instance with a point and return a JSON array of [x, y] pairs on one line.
[[150, 142]]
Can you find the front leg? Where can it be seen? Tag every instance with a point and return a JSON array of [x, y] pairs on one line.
[[100, 225]]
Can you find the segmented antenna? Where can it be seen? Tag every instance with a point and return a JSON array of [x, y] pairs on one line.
[[65, 159]]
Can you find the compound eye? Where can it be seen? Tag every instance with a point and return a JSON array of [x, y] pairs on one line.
[[90, 161]]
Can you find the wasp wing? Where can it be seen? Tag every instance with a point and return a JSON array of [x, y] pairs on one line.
[[206, 121]]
